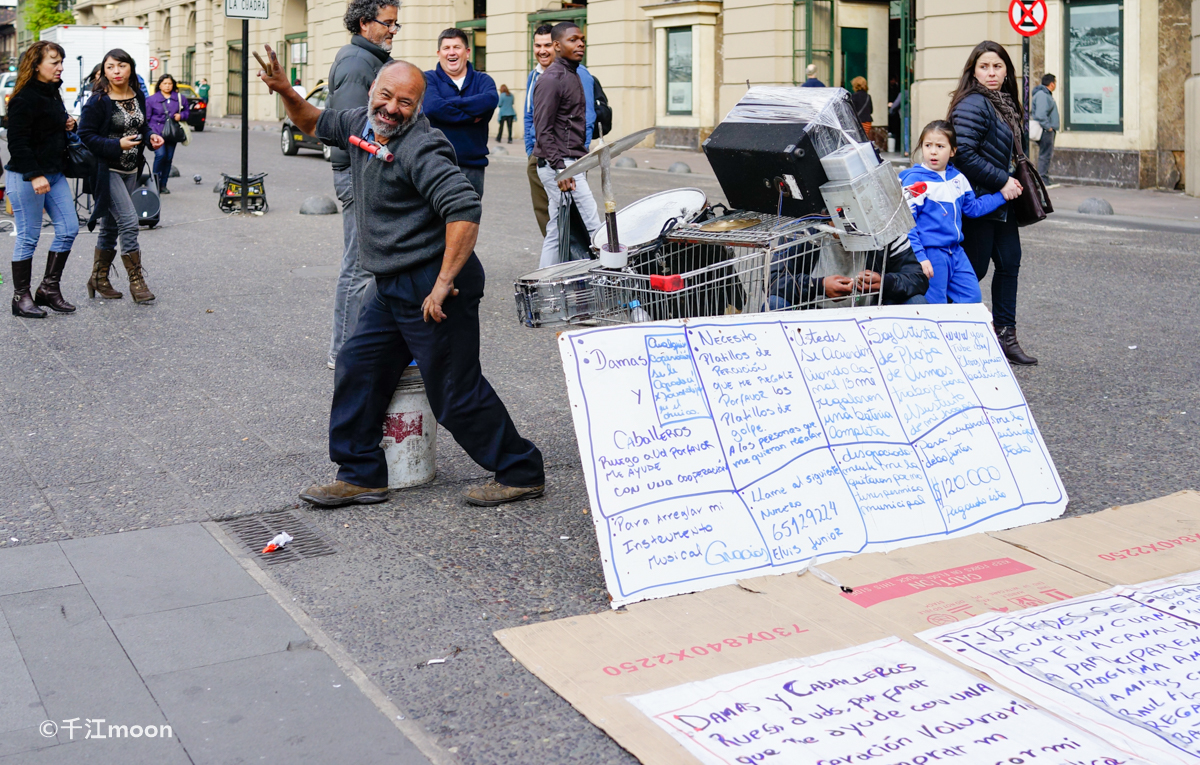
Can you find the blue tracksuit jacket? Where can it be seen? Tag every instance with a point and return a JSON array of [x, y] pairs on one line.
[[938, 213], [940, 210]]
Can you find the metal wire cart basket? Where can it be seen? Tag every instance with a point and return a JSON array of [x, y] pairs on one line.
[[742, 262]]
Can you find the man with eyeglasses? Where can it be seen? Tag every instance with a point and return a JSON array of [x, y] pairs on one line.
[[373, 23]]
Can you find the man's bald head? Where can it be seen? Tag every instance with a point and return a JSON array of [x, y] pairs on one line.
[[395, 99], [399, 68]]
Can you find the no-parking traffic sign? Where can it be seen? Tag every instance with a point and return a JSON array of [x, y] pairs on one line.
[[1028, 17]]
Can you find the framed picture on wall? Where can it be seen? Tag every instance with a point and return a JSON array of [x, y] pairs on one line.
[[1094, 65], [679, 70]]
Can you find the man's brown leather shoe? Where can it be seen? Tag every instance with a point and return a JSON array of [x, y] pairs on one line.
[[492, 494], [340, 493]]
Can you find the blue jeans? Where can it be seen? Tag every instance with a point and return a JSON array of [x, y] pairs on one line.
[[391, 332], [163, 157], [121, 220], [999, 242], [27, 214], [353, 282]]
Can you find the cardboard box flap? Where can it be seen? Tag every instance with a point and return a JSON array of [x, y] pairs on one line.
[[1127, 544]]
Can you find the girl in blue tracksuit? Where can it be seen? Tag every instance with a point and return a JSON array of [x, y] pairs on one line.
[[938, 212]]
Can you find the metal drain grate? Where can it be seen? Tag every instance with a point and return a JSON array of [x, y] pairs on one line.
[[255, 531]]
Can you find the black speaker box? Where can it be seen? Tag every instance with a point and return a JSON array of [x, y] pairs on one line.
[[756, 161]]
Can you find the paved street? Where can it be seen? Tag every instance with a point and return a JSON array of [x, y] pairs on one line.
[[213, 404]]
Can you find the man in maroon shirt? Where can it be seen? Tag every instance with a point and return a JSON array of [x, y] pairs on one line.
[[560, 124]]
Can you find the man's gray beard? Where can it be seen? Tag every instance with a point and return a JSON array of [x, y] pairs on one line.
[[389, 132]]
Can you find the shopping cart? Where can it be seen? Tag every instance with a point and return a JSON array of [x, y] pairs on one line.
[[741, 262]]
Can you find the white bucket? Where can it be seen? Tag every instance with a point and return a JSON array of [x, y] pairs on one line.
[[410, 434]]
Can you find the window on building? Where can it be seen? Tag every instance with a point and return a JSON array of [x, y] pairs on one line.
[[189, 64], [812, 38], [679, 70], [1092, 89], [297, 55], [233, 94]]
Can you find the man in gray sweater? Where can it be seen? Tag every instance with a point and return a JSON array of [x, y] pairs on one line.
[[373, 23], [418, 219], [1044, 111]]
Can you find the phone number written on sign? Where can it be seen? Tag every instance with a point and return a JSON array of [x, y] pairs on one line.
[[698, 651]]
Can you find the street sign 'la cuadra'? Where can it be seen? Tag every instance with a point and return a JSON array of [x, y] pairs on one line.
[[246, 9]]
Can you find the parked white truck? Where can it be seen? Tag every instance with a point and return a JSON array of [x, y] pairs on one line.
[[86, 46]]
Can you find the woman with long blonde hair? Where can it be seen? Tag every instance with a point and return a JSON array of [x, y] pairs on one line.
[[38, 124]]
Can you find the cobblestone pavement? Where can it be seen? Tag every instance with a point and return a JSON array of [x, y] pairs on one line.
[[213, 403]]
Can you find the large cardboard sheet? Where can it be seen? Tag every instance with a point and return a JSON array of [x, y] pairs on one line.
[[723, 448], [1124, 663], [886, 701], [596, 662]]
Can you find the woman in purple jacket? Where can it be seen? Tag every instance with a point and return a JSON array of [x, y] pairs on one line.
[[167, 103]]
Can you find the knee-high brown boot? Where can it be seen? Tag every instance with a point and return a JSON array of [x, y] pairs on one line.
[[49, 292], [137, 277], [101, 263]]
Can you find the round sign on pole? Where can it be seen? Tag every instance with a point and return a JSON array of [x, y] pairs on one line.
[[1028, 17], [153, 63]]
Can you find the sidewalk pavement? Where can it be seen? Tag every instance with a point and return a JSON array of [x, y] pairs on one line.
[[158, 646]]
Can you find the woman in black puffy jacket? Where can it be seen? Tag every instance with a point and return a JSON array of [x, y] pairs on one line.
[[986, 113]]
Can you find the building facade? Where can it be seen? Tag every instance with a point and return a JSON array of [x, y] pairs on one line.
[[682, 64]]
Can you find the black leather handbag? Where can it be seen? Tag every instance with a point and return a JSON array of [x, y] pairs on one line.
[[1034, 203], [81, 163], [173, 132]]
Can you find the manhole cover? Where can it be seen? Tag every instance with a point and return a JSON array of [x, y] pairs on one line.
[[255, 531]]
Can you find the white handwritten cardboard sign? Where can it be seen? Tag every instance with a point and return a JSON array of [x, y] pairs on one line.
[[724, 448], [886, 702], [1124, 663]]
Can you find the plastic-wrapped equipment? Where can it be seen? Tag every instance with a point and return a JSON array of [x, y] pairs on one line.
[[767, 151], [869, 211], [826, 113]]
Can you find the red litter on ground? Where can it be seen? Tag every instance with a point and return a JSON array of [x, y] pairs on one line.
[[281, 539]]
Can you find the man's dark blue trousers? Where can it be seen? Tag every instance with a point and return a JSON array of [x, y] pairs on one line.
[[391, 332]]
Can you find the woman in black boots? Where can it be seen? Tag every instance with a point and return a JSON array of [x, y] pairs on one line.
[[37, 141], [114, 126], [986, 113]]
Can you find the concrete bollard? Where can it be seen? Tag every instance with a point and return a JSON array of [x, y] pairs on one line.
[[318, 206], [679, 167], [1095, 206], [410, 434], [625, 162], [174, 172]]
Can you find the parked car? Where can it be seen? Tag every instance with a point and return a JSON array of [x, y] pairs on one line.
[[198, 113], [7, 80], [292, 139]]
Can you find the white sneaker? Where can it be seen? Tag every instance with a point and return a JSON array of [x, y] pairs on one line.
[[331, 365]]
